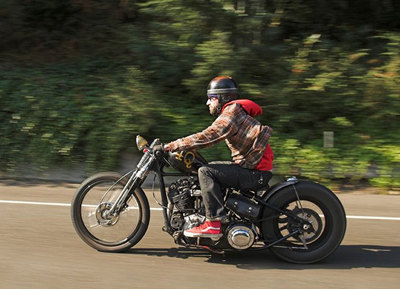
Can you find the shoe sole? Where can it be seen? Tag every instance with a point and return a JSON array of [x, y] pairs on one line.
[[192, 235]]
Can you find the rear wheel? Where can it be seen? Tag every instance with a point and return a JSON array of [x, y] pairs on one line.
[[99, 229], [320, 237]]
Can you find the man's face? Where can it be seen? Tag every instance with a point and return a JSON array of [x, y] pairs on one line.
[[212, 103]]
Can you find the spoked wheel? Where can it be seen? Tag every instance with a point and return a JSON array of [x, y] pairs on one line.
[[90, 212], [310, 232], [319, 236]]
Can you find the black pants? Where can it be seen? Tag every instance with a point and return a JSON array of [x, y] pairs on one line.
[[215, 176]]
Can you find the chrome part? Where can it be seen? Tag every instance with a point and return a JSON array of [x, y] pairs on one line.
[[143, 169], [114, 185], [196, 193], [193, 221], [292, 179], [103, 215], [240, 237], [137, 176]]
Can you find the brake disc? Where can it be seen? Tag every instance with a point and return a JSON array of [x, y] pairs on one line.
[[104, 218]]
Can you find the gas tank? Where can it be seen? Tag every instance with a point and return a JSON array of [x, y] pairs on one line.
[[187, 161]]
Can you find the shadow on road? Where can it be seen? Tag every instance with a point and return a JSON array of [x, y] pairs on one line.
[[345, 257]]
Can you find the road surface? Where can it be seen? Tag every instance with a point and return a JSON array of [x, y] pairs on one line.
[[40, 249]]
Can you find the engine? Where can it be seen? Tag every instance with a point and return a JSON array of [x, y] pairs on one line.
[[182, 194], [185, 196]]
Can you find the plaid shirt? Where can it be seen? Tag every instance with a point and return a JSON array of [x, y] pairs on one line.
[[245, 136]]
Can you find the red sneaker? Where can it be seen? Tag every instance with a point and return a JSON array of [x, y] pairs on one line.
[[209, 229]]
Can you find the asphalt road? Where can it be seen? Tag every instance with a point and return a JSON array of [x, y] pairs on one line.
[[40, 249]]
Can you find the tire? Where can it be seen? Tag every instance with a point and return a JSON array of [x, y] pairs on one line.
[[320, 206], [109, 234]]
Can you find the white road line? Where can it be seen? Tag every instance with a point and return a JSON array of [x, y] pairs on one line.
[[35, 203], [49, 204], [160, 209], [373, 218]]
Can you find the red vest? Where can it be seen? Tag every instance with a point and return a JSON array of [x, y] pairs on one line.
[[254, 109], [266, 161]]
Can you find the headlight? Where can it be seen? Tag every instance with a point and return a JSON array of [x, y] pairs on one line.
[[141, 142]]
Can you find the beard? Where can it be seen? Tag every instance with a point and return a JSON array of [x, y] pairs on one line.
[[213, 111]]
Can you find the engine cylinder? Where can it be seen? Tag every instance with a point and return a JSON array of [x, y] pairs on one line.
[[180, 194]]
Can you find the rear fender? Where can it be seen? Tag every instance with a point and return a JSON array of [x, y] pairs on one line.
[[267, 211], [277, 187]]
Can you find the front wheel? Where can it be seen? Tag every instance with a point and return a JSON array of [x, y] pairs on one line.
[[314, 203], [100, 230]]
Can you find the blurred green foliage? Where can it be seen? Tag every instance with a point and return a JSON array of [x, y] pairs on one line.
[[80, 78]]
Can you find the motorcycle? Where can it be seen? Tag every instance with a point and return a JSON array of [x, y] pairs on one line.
[[299, 221]]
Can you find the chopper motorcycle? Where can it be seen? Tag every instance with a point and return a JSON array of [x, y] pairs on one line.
[[299, 221]]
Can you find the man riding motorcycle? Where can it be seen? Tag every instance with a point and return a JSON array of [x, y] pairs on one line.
[[247, 139]]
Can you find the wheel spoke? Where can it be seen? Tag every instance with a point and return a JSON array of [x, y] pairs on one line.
[[283, 228], [283, 220], [100, 225], [97, 225], [314, 231], [309, 212]]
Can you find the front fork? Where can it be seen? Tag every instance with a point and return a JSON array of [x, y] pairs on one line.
[[135, 180]]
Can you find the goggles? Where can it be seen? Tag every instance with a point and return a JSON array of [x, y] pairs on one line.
[[212, 95]]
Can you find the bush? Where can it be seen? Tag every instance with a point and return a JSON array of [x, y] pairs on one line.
[[78, 80]]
